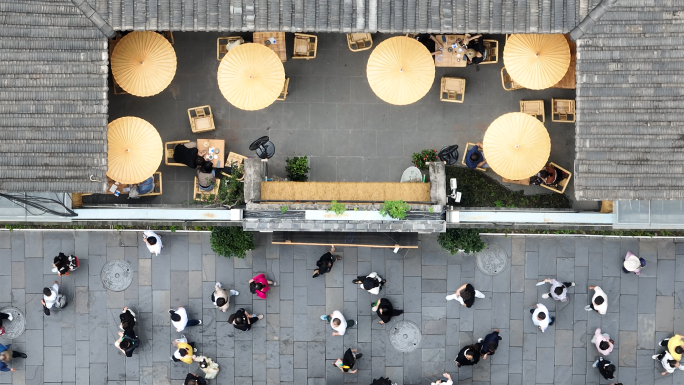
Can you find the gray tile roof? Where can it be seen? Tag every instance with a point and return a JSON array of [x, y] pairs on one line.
[[53, 98], [630, 88]]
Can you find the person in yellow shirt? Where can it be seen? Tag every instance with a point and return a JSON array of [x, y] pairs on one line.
[[184, 353], [675, 346]]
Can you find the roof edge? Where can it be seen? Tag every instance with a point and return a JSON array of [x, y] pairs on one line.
[[95, 18], [594, 16]]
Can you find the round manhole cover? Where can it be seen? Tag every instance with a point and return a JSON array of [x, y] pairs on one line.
[[16, 326], [405, 336], [117, 275], [493, 260]]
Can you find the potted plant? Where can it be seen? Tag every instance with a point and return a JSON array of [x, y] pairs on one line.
[[465, 240], [231, 241], [421, 159], [297, 169], [395, 209]]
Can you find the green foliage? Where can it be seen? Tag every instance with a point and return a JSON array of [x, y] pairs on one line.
[[425, 156], [467, 240], [173, 228], [283, 209], [337, 208], [231, 191], [395, 209], [297, 168], [231, 241], [430, 209]]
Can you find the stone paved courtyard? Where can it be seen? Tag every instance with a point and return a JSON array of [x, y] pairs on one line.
[[293, 346]]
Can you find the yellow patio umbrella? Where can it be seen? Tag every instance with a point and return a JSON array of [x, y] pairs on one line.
[[251, 76], [516, 145], [135, 150], [536, 61], [143, 63], [400, 70]]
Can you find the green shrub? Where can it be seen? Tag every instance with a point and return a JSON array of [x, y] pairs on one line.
[[337, 208], [467, 240], [395, 209], [283, 209], [425, 156], [231, 241], [297, 168]]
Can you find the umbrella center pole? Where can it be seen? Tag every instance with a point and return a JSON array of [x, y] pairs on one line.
[[517, 146]]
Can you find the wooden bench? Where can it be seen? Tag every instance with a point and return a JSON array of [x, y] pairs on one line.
[[199, 194], [359, 41], [492, 47], [283, 93], [222, 45], [201, 119], [452, 90], [534, 108], [305, 46], [507, 82], [562, 185], [169, 147], [562, 109]]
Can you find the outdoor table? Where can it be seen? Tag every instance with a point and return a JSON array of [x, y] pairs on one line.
[[278, 47], [524, 182], [121, 187], [220, 144], [448, 59]]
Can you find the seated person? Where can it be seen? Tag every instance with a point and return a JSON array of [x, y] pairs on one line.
[[476, 51], [146, 186], [429, 42], [549, 176], [475, 157], [189, 155], [206, 176]]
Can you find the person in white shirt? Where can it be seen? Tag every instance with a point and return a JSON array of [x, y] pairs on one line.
[[599, 301], [558, 290], [221, 297], [50, 295], [371, 283], [338, 323], [541, 317], [603, 342], [446, 380], [153, 241], [669, 363], [179, 319]]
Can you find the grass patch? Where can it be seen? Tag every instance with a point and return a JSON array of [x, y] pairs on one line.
[[479, 190]]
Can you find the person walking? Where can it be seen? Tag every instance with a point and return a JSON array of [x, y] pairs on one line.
[[466, 295], [3, 316], [127, 318], [185, 351], [372, 283], [221, 297], [446, 380], [606, 368], [468, 355], [52, 298], [208, 366], [193, 379], [325, 262], [384, 309], [179, 319], [541, 317], [599, 301], [489, 344], [603, 342], [241, 320], [674, 345], [382, 381], [6, 355], [558, 290], [153, 242], [338, 323], [259, 285], [63, 264], [668, 362], [633, 264], [127, 342], [346, 364]]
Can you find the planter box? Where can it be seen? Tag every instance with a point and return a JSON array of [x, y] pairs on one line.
[[322, 215]]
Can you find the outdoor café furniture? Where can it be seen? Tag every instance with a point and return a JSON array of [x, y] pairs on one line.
[[492, 47], [534, 108], [562, 109], [222, 44], [524, 182], [305, 46], [215, 144], [168, 153], [359, 41], [168, 35], [235, 159], [283, 93], [453, 90], [562, 185], [465, 152], [201, 119], [444, 58], [278, 47], [198, 194], [507, 82], [124, 189]]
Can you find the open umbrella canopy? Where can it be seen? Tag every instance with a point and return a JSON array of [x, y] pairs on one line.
[[135, 150], [251, 76], [516, 145], [536, 61], [143, 63], [400, 70]]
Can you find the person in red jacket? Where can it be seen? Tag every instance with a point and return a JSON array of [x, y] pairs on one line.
[[259, 285]]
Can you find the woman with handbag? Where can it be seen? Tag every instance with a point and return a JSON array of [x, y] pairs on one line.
[[209, 367], [6, 355], [346, 364], [384, 309], [259, 285]]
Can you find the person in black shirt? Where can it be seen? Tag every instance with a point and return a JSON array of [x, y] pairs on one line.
[[384, 309], [127, 318], [244, 321], [466, 295], [469, 355], [489, 344], [476, 51], [606, 368], [189, 155], [348, 361], [193, 379], [127, 342], [325, 262]]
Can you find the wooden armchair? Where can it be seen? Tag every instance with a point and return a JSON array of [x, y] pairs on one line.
[[201, 119], [562, 109], [465, 152], [168, 153], [198, 194], [359, 41], [305, 46], [157, 185], [492, 47], [534, 108], [452, 90], [507, 82], [283, 93], [562, 185], [222, 45]]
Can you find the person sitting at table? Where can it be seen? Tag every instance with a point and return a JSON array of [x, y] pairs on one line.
[[549, 176], [188, 154], [429, 42], [206, 176], [476, 51], [475, 157], [146, 186]]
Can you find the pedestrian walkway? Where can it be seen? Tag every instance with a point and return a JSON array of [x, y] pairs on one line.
[[293, 346]]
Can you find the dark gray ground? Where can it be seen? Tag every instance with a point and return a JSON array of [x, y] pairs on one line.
[[332, 116]]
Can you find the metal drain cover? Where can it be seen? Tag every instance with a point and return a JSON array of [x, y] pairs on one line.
[[405, 336], [493, 260], [16, 326], [117, 275]]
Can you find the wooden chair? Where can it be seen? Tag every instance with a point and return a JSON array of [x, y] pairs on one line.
[[157, 185], [492, 47], [534, 108], [453, 90], [235, 158], [222, 45], [200, 120], [198, 194], [359, 41], [561, 109], [465, 152], [168, 35], [305, 46], [507, 82], [283, 93], [168, 153], [562, 185]]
